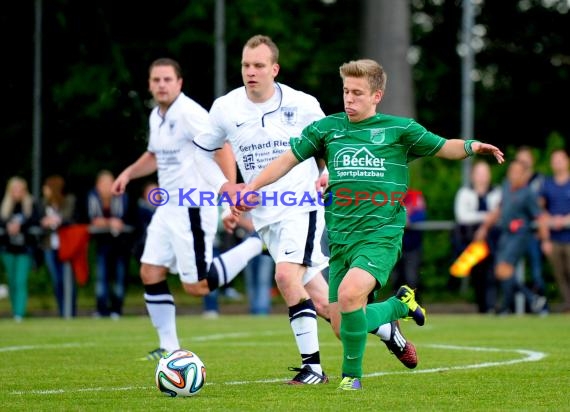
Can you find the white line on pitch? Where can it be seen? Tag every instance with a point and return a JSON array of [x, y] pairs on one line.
[[529, 356], [46, 346]]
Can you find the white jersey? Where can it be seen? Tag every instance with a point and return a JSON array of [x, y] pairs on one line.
[[171, 142], [259, 133]]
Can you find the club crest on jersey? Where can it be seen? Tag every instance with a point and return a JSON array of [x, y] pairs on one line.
[[377, 136], [171, 126], [289, 115]]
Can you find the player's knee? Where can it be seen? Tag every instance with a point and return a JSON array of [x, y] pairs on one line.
[[349, 297], [152, 274], [346, 302], [145, 276], [283, 280]]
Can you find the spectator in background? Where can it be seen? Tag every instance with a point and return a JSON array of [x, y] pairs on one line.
[[406, 271], [533, 254], [258, 273], [471, 206], [57, 208], [18, 213], [525, 155], [259, 283], [222, 242], [518, 210], [555, 196], [108, 214]]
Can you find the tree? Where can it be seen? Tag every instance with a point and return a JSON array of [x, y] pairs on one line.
[[386, 39], [96, 55]]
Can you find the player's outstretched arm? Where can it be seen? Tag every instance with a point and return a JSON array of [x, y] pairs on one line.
[[144, 166], [273, 171], [488, 149], [457, 149]]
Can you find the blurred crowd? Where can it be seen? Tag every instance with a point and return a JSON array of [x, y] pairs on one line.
[[89, 243], [525, 221]]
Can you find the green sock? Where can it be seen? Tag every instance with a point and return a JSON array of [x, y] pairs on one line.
[[385, 312], [353, 335]]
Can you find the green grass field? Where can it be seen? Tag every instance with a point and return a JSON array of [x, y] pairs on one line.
[[467, 362]]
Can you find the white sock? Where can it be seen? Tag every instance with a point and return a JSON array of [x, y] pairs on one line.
[[229, 264], [162, 314], [304, 325], [317, 368], [384, 331]]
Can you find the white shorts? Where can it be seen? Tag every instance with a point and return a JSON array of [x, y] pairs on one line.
[[297, 239], [181, 239]]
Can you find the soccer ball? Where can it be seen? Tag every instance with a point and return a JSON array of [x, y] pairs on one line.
[[180, 373]]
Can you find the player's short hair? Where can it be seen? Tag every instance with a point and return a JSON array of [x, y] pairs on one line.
[[166, 61], [260, 39], [367, 68]]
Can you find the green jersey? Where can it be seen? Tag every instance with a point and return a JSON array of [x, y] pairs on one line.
[[368, 170]]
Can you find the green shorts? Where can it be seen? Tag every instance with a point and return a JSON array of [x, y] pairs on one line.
[[377, 257]]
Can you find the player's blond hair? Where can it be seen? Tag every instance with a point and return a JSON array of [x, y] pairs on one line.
[[260, 39], [365, 68]]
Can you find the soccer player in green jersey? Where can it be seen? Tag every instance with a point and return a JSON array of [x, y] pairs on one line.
[[367, 155]]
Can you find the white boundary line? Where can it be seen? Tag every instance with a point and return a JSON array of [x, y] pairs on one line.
[[46, 346], [528, 356]]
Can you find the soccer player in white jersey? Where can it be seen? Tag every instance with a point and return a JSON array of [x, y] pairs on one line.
[[181, 233], [257, 120]]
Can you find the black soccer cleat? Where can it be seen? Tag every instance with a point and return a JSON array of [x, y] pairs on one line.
[[306, 376], [402, 349], [155, 355]]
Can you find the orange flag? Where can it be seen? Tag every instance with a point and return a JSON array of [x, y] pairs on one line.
[[474, 253]]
